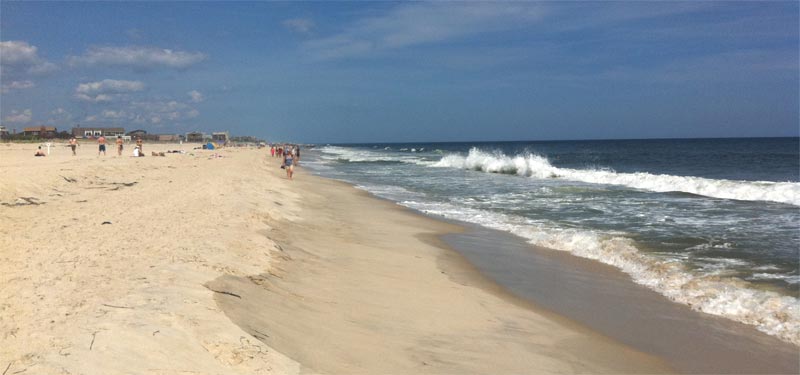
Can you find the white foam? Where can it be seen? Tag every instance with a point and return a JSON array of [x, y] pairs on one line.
[[710, 292], [353, 155], [536, 166], [788, 278]]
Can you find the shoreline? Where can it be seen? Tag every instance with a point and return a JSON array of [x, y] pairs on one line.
[[375, 291], [213, 262], [608, 301], [605, 300]]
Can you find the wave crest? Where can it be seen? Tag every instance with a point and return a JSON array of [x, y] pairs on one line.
[[536, 166]]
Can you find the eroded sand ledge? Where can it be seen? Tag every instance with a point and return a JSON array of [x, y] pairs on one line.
[[318, 276], [363, 286]]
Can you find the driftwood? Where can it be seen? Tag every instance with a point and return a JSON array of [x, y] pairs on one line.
[[223, 292], [28, 202], [7, 367], [117, 307], [92, 344], [259, 333]]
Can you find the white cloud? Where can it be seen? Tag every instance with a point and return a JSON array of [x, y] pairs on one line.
[[109, 114], [18, 53], [19, 58], [109, 86], [105, 90], [138, 58], [300, 25], [422, 23], [127, 112], [19, 117], [196, 96], [101, 98], [16, 85], [158, 111]]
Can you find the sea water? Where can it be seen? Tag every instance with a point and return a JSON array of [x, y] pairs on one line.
[[710, 223]]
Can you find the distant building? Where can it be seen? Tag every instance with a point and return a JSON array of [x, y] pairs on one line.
[[220, 137], [168, 137], [41, 131], [195, 137], [137, 133], [96, 132], [3, 131]]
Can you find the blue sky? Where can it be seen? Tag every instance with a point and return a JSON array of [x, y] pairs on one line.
[[396, 72]]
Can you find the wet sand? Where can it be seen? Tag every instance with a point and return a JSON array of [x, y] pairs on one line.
[[606, 300], [364, 286]]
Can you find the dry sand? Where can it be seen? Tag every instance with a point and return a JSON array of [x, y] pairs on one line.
[[219, 265]]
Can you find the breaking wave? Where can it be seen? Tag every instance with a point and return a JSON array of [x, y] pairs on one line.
[[350, 155], [537, 166]]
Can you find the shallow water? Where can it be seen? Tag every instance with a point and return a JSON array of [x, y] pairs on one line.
[[711, 224], [605, 300]]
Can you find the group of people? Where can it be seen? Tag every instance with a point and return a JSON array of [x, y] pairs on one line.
[[290, 156], [101, 141]]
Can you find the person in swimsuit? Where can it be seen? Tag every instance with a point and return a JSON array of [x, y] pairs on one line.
[[119, 145], [72, 144], [288, 162], [102, 142]]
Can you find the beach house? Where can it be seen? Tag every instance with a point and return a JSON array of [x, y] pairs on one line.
[[220, 137], [195, 137], [88, 132], [167, 137], [138, 133], [40, 131]]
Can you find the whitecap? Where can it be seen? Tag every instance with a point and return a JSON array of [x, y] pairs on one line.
[[536, 166]]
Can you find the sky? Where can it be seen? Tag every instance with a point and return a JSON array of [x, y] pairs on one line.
[[350, 72]]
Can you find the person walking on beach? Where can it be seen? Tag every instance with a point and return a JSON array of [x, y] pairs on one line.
[[272, 151], [119, 145], [139, 144], [288, 163], [73, 143], [102, 142]]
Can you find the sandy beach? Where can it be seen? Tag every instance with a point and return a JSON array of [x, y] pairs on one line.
[[212, 262]]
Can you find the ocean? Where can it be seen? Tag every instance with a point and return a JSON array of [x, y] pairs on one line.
[[710, 223]]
